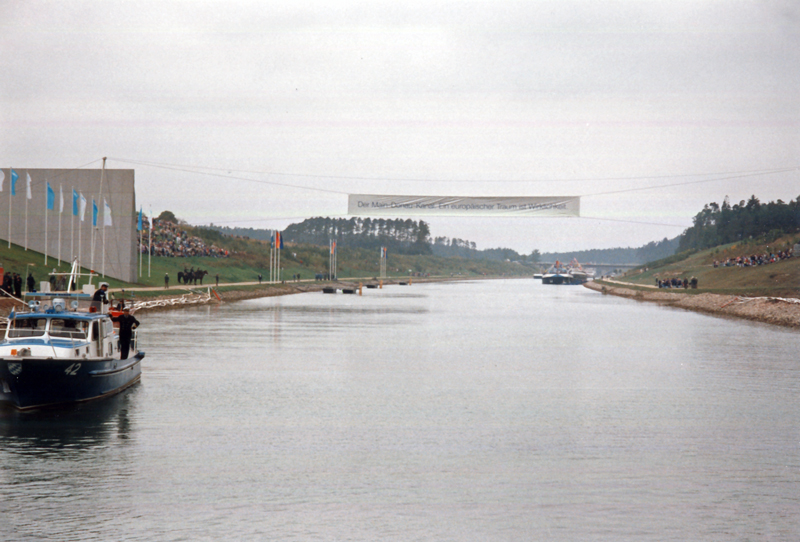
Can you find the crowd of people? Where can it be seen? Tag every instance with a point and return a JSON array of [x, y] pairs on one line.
[[170, 240], [755, 259], [12, 284]]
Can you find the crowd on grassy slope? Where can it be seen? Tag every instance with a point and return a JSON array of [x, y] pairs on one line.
[[755, 259], [172, 241]]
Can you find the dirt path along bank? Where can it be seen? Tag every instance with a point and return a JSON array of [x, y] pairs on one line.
[[770, 310]]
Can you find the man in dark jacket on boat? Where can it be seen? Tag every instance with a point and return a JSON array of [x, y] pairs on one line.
[[127, 323], [100, 297]]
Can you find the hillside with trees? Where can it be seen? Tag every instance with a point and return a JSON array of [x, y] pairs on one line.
[[726, 223]]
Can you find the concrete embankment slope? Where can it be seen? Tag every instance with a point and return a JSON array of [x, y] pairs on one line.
[[770, 310]]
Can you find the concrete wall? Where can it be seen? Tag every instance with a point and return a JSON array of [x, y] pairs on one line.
[[76, 236]]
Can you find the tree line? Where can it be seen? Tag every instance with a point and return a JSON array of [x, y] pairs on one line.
[[403, 236], [652, 251], [726, 223]]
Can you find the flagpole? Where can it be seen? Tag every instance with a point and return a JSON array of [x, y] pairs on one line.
[[46, 198], [80, 231], [106, 222], [91, 238], [96, 216], [27, 187], [80, 252], [60, 210], [72, 228], [278, 247], [150, 242], [10, 200], [99, 199]]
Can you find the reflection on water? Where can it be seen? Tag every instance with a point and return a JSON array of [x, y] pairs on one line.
[[60, 465], [68, 428], [498, 410]]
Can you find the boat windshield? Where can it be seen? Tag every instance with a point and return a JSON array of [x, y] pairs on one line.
[[26, 327], [68, 328]]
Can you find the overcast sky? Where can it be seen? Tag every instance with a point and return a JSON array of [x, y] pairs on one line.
[[311, 101]]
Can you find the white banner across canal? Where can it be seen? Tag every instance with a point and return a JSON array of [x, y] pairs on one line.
[[374, 205]]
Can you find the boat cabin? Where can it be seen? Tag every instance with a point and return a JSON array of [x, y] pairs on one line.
[[57, 333]]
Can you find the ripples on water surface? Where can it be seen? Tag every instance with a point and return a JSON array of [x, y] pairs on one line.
[[497, 410]]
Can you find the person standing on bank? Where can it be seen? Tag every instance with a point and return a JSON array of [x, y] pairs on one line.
[[127, 323], [18, 285], [166, 281]]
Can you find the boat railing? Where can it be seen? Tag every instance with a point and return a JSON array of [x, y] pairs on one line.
[[134, 347]]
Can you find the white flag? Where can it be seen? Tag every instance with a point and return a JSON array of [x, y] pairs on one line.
[[28, 189], [2, 178], [61, 201], [82, 207], [106, 213]]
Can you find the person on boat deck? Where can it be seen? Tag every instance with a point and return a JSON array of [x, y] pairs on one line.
[[100, 297], [127, 323]]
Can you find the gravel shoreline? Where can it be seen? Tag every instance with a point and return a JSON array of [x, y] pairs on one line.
[[769, 310]]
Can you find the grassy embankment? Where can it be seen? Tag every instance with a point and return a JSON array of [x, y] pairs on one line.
[[249, 258], [780, 279]]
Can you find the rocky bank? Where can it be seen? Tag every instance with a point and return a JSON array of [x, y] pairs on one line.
[[771, 310]]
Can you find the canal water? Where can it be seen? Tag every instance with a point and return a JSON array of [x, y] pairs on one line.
[[486, 411]]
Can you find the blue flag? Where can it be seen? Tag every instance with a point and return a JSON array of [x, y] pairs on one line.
[[94, 213], [51, 197], [139, 227], [14, 178], [74, 203]]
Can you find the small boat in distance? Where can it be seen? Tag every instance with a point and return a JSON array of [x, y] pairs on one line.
[[573, 273], [579, 274], [557, 274]]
